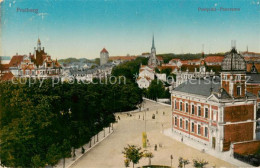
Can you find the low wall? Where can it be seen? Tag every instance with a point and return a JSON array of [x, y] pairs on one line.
[[247, 147]]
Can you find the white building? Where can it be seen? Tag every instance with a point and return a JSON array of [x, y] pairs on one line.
[[192, 72]]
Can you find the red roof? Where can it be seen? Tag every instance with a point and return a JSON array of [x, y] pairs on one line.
[[165, 66], [16, 60], [7, 76], [160, 58], [212, 59], [5, 66], [251, 53], [104, 51]]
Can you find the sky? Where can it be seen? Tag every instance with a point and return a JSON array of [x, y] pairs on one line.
[[81, 28]]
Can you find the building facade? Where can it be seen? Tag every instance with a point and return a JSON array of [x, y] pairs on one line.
[[39, 64], [217, 112]]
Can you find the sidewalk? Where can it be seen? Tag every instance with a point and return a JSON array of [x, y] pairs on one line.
[[226, 156], [70, 161]]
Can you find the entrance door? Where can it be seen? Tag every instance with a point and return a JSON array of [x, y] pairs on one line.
[[213, 142]]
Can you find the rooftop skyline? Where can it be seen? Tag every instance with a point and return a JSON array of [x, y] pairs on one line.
[[82, 28]]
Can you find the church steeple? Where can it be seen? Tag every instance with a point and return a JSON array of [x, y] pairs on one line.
[[39, 45], [153, 50]]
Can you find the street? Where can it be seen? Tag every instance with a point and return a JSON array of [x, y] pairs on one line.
[[129, 130]]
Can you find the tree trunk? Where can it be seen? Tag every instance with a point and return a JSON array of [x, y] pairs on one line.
[[133, 165], [149, 161]]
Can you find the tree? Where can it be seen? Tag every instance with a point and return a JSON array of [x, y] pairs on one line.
[[126, 161], [167, 71], [199, 163], [149, 155], [40, 125], [183, 162], [157, 90], [133, 154]]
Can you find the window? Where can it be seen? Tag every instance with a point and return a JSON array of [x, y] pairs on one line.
[[258, 94], [175, 121], [187, 107], [214, 115], [199, 129], [187, 124], [258, 105], [206, 112], [192, 109], [206, 132], [175, 104], [238, 90], [192, 127], [180, 106], [238, 77], [199, 111], [180, 123], [225, 77]]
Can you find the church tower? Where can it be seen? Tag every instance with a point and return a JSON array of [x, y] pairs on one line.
[[233, 74], [39, 54], [153, 60]]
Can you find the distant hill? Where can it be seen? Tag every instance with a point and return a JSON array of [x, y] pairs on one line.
[[73, 60], [188, 56]]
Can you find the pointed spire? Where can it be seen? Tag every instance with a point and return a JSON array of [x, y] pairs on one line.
[[153, 42]]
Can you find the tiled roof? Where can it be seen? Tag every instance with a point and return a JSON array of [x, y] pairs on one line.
[[249, 66], [7, 76], [214, 59], [16, 60], [5, 66], [104, 51], [160, 58], [165, 66], [199, 87], [250, 53]]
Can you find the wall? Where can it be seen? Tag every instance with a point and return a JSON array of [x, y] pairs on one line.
[[246, 148], [239, 132], [239, 113]]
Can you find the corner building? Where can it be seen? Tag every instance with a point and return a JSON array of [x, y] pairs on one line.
[[216, 111]]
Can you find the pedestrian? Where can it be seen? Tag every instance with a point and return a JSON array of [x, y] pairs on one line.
[[182, 139], [155, 147], [82, 150], [139, 116]]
